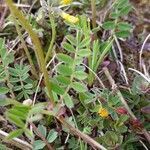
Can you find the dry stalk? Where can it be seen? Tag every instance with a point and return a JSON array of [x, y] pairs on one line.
[[81, 135], [16, 141]]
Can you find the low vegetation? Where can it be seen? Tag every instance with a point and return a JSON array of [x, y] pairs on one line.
[[66, 78]]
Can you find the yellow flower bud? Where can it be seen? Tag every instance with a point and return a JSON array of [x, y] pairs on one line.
[[103, 112], [70, 18], [65, 2]]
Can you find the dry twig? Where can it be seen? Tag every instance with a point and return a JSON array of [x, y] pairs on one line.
[[83, 136], [16, 141]]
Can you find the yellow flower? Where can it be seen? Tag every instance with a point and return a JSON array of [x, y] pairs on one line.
[[103, 112], [65, 2], [70, 18]]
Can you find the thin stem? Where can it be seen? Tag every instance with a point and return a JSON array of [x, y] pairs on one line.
[[9, 84], [16, 141], [38, 48], [93, 7], [33, 70], [53, 26], [41, 136], [102, 56], [3, 18], [75, 122], [73, 70], [87, 139], [100, 81], [83, 136]]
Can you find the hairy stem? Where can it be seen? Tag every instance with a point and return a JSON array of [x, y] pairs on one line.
[[93, 7], [53, 26], [38, 48], [16, 141]]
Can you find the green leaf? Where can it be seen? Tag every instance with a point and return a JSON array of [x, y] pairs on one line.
[[25, 69], [95, 30], [122, 3], [78, 60], [64, 70], [63, 80], [114, 15], [29, 134], [123, 118], [52, 136], [65, 58], [80, 75], [3, 147], [109, 25], [79, 36], [85, 42], [71, 39], [4, 90], [14, 119], [38, 144], [23, 108], [28, 86], [13, 72], [84, 52], [20, 114], [68, 101], [17, 88], [35, 118], [37, 108], [123, 26], [122, 34], [68, 47], [124, 11], [122, 129], [42, 130], [6, 57], [6, 102], [111, 138], [20, 95], [14, 134], [137, 85], [95, 53], [24, 77], [57, 89], [79, 87], [12, 79], [106, 49]]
